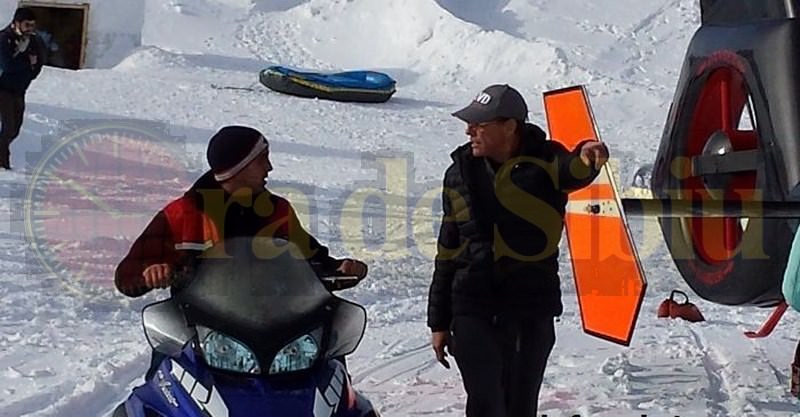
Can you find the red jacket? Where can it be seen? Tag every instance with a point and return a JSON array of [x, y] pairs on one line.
[[199, 219]]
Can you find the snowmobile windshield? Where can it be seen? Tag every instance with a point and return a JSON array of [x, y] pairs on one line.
[[263, 293]]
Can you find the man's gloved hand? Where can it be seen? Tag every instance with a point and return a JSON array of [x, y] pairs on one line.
[[441, 341], [21, 44], [158, 276], [594, 154], [353, 267]]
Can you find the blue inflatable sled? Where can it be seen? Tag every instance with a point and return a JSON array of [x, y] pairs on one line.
[[358, 86]]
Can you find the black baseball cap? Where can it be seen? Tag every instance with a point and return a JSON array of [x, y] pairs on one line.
[[498, 101]]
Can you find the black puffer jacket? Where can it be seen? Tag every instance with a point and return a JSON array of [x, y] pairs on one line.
[[499, 237], [17, 71]]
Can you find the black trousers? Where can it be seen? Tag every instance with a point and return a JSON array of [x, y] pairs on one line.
[[12, 110], [502, 363]]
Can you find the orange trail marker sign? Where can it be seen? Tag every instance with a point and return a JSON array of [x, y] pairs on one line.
[[609, 278]]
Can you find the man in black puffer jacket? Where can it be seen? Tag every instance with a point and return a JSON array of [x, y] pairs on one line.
[[496, 289], [21, 59]]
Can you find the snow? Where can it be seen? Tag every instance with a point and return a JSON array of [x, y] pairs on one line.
[[70, 345]]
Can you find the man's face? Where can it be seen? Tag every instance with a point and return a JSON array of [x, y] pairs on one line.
[[25, 27], [489, 138], [255, 174]]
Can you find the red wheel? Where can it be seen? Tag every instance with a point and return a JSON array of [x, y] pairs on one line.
[[714, 152], [715, 130], [733, 134]]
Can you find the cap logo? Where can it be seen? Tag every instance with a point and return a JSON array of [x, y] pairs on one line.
[[483, 98]]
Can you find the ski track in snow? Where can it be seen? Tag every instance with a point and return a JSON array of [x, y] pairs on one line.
[[716, 392]]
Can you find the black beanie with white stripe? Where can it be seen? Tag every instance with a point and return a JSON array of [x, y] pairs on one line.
[[232, 148]]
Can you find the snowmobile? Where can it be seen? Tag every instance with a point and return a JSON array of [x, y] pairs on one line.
[[255, 331]]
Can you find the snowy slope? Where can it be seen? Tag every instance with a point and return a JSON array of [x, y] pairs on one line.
[[71, 346]]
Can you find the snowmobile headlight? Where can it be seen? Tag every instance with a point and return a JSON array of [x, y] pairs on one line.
[[298, 354], [224, 352]]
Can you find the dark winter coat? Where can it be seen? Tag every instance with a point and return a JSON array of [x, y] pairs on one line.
[[499, 237], [187, 226], [17, 71]]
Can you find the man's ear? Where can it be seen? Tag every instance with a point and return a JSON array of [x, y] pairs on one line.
[[510, 126]]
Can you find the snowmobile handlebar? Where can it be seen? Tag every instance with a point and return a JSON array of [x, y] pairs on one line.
[[331, 278], [341, 282]]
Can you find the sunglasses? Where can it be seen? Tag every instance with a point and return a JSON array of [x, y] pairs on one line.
[[486, 124]]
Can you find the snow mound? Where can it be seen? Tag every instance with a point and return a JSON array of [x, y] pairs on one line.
[[417, 35], [152, 57]]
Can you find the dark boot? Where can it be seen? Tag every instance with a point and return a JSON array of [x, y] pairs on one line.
[[5, 155], [12, 110]]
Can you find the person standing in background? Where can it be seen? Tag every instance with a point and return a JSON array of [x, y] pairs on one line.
[[21, 60]]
